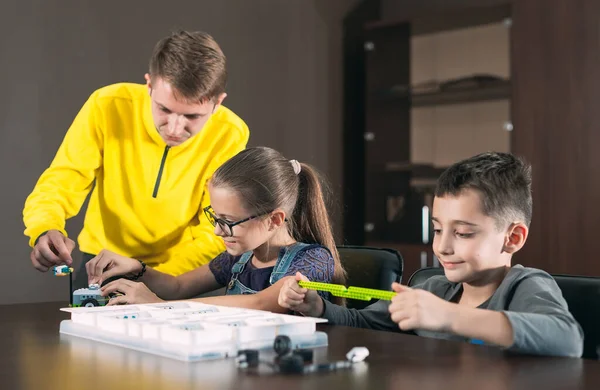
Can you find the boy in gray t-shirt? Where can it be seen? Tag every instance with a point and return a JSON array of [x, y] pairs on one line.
[[481, 215]]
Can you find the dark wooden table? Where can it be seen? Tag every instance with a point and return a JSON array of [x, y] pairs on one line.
[[33, 355]]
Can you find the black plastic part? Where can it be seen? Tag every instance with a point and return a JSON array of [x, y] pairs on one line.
[[251, 357], [282, 345], [90, 300], [305, 354], [291, 364]]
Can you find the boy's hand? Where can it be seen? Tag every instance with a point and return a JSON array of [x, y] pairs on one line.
[[108, 264], [133, 292], [420, 309], [296, 298]]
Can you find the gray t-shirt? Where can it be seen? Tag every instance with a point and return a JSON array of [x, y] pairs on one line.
[[530, 299]]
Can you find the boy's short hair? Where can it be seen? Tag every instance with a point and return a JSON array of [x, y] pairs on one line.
[[502, 180], [193, 63]]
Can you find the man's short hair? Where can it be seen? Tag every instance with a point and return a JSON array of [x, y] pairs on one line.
[[193, 63]]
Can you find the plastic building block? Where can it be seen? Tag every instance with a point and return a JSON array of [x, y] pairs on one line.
[[359, 293], [62, 270], [87, 297], [192, 331], [357, 354]]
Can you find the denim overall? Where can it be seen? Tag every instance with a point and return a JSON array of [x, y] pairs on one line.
[[281, 267]]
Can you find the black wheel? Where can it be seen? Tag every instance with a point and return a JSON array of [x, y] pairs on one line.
[[282, 345], [291, 364], [90, 302]]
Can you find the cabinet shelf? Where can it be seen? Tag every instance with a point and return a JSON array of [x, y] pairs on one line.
[[444, 20], [496, 91]]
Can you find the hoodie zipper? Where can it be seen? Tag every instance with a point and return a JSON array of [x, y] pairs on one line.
[[160, 171]]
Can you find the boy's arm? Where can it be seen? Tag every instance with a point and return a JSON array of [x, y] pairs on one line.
[[418, 308], [205, 245], [537, 321], [492, 327], [375, 316], [63, 187], [541, 321]]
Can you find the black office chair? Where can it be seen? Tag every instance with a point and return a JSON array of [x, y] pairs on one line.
[[421, 275], [582, 294], [371, 268]]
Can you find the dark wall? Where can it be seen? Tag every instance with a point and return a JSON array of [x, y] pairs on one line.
[[555, 71], [284, 60], [556, 95]]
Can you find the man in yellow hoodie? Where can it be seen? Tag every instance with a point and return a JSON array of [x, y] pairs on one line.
[[146, 153]]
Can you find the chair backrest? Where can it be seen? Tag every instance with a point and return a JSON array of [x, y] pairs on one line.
[[371, 268], [421, 275], [582, 294]]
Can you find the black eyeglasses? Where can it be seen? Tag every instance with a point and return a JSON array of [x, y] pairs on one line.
[[226, 227]]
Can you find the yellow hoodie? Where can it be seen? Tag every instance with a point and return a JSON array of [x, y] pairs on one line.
[[148, 198]]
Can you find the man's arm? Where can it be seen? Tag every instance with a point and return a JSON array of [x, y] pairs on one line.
[[63, 187], [206, 245], [199, 252]]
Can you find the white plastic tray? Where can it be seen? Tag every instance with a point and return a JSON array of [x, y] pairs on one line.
[[190, 331]]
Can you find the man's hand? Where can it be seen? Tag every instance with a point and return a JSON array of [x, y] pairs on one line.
[[108, 264], [133, 292], [52, 249], [420, 309], [296, 298]]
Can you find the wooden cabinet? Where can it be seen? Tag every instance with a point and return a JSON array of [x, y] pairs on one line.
[[543, 107], [418, 117]]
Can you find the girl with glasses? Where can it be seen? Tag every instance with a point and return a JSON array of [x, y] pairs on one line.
[[272, 216]]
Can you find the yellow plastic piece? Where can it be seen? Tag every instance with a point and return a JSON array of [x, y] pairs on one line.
[[338, 290]]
